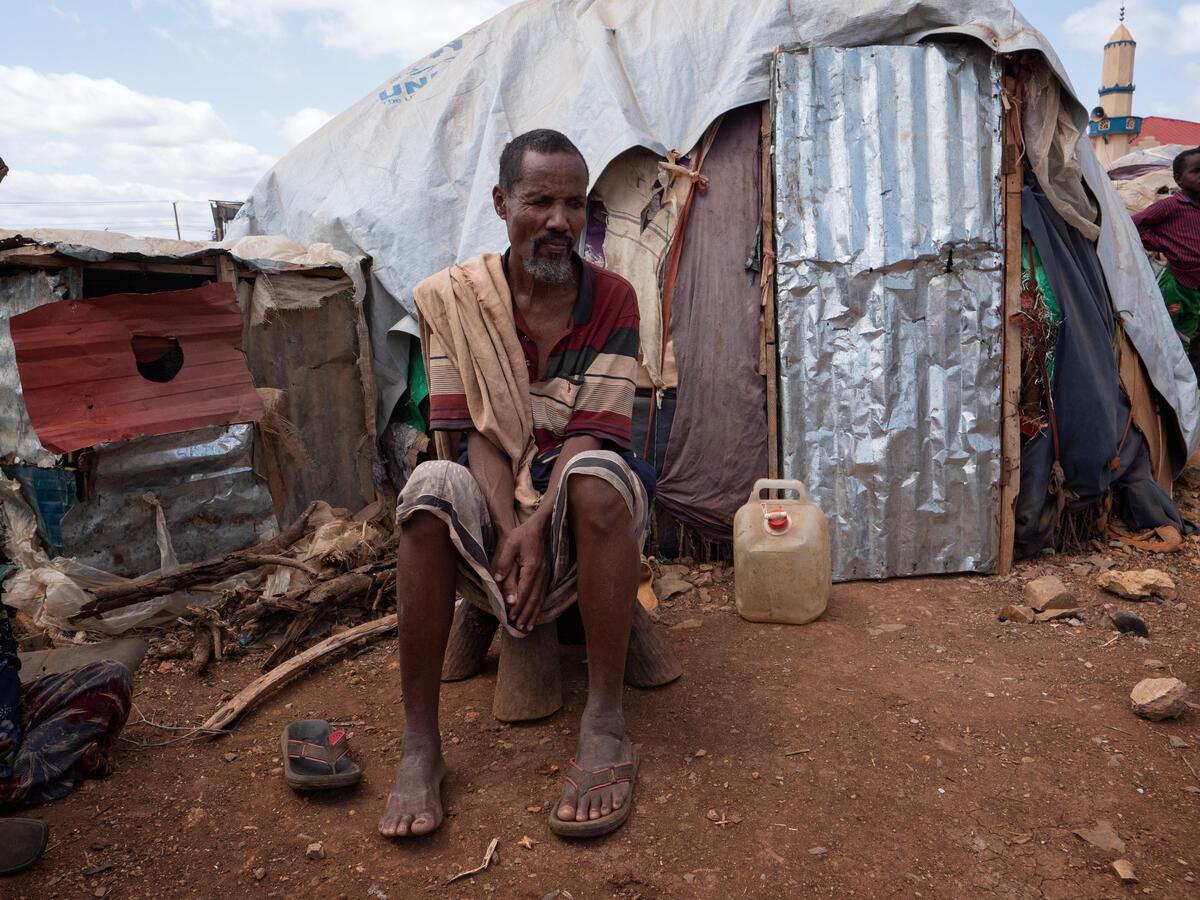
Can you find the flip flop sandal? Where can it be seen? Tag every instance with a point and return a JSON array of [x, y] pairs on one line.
[[22, 841], [586, 782], [316, 758]]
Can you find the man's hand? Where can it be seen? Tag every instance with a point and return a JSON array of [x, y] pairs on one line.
[[1173, 309], [521, 569]]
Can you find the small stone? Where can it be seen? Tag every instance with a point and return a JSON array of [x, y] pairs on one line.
[[1101, 836], [817, 851], [1154, 664], [471, 716], [688, 623], [277, 772], [700, 753], [1075, 623], [665, 588], [315, 850], [230, 757], [885, 628], [1103, 563], [1048, 592], [1138, 585], [1018, 614], [1159, 698], [711, 815], [260, 873], [1124, 870], [704, 579], [1178, 743]]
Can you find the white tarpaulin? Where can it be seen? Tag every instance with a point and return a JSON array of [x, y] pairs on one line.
[[405, 175]]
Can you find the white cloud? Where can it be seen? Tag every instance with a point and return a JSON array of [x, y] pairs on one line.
[[72, 17], [304, 122], [71, 139], [366, 28], [57, 104]]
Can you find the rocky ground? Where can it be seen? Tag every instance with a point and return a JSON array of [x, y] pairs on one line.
[[908, 743]]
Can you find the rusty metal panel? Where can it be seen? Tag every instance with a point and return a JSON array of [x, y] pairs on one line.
[[889, 239], [212, 501], [112, 368], [19, 293]]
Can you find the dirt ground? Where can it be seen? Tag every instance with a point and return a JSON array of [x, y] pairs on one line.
[[905, 744]]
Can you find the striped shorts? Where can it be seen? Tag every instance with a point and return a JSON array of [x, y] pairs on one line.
[[450, 492]]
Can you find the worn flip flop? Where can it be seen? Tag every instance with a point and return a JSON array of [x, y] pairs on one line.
[[315, 757], [22, 841], [584, 782]]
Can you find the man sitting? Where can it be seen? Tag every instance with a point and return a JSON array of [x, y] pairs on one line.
[[532, 354], [1172, 227]]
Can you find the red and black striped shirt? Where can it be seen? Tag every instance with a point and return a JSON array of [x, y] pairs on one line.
[[590, 376], [1172, 227]]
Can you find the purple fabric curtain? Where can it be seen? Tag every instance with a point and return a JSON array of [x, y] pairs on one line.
[[718, 444]]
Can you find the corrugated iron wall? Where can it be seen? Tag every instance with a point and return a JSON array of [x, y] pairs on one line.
[[888, 235]]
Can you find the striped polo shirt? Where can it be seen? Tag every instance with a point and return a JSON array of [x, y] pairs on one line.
[[1172, 227], [590, 375]]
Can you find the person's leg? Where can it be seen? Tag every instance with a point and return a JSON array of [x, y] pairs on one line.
[[607, 557], [426, 562], [70, 721]]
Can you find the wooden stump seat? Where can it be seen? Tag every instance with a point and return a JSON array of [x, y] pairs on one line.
[[529, 678]]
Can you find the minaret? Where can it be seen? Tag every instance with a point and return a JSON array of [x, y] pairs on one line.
[[1112, 128]]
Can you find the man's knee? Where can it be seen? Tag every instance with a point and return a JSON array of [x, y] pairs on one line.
[[595, 505], [423, 526]]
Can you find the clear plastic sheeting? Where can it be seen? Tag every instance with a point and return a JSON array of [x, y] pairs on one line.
[[888, 234]]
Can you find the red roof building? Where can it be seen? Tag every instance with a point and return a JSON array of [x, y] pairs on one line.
[[1157, 131]]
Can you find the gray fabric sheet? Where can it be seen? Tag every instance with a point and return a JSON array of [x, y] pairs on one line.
[[718, 444]]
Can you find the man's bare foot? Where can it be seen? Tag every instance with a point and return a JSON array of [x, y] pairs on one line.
[[602, 743], [414, 806]]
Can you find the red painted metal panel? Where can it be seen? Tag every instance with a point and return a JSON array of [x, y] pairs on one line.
[[81, 379], [1169, 131]]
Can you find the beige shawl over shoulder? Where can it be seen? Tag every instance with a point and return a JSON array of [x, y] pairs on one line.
[[469, 307]]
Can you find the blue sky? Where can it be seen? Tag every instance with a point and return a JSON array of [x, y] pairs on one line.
[[112, 109]]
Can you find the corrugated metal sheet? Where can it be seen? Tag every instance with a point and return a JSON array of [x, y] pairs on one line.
[[18, 294], [888, 236], [86, 379], [212, 500]]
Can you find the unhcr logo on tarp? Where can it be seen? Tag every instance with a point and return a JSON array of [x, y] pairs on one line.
[[421, 74]]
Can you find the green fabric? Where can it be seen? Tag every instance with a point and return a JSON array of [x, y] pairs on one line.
[[418, 391], [1037, 275], [1188, 299]]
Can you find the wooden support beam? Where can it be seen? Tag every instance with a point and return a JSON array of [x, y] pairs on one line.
[[769, 360], [1010, 383]]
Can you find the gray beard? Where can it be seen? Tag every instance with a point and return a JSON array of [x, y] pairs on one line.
[[549, 271]]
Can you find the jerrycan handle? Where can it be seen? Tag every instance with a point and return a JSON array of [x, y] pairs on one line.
[[790, 484]]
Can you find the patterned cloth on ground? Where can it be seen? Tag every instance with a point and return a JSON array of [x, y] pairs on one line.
[[450, 492], [70, 721]]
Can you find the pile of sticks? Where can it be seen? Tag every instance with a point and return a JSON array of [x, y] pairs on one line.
[[363, 579]]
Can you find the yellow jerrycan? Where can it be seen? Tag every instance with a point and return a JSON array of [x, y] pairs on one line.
[[781, 566]]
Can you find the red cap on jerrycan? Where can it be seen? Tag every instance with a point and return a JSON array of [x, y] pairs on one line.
[[777, 521]]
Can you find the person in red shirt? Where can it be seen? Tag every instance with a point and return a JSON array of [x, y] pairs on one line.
[[533, 354], [1172, 227]]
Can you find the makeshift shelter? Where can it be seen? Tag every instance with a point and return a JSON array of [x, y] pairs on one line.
[[869, 216], [170, 400]]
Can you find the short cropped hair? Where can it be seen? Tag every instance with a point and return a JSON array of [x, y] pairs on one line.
[[1177, 165], [540, 140]]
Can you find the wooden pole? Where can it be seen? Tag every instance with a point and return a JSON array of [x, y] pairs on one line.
[[1010, 383], [175, 209], [769, 360], [248, 696]]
